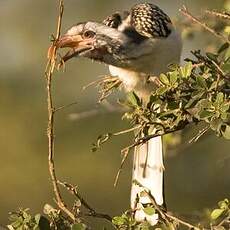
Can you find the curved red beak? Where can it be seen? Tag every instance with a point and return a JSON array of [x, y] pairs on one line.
[[76, 43]]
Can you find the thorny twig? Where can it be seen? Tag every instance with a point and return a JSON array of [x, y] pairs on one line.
[[223, 15], [186, 13], [51, 110], [91, 212]]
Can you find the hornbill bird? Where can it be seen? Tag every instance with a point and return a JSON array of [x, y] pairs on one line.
[[134, 44]]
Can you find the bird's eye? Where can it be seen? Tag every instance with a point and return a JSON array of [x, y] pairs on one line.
[[88, 34]]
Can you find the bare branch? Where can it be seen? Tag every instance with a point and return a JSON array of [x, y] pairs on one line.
[[50, 130], [125, 153], [64, 107], [223, 15], [186, 13], [199, 134], [73, 190]]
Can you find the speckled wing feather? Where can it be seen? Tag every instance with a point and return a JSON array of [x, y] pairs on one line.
[[113, 20], [146, 19], [150, 21], [116, 19]]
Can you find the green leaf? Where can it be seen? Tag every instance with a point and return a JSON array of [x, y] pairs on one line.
[[216, 213], [133, 99], [224, 107], [149, 211], [205, 103], [161, 90], [164, 79], [223, 204], [205, 114], [119, 220], [173, 77], [78, 227], [201, 82], [223, 48], [220, 98], [186, 70], [227, 30], [226, 132], [227, 54], [212, 56], [37, 218], [226, 67], [173, 66]]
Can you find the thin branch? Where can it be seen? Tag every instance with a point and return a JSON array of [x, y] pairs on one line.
[[146, 138], [221, 72], [138, 142], [73, 190], [223, 15], [125, 156], [163, 214], [199, 134], [50, 130], [126, 131], [186, 13], [64, 107], [159, 209], [225, 220], [182, 222]]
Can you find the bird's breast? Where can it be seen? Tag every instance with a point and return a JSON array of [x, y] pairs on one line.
[[133, 81]]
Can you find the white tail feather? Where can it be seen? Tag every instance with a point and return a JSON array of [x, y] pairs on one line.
[[148, 171]]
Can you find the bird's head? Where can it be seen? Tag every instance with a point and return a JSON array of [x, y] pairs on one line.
[[95, 41], [140, 40]]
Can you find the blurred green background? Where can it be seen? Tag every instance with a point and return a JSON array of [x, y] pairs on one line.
[[196, 175]]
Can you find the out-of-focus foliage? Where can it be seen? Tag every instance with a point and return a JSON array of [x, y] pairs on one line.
[[22, 220], [54, 220], [218, 219], [217, 20]]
